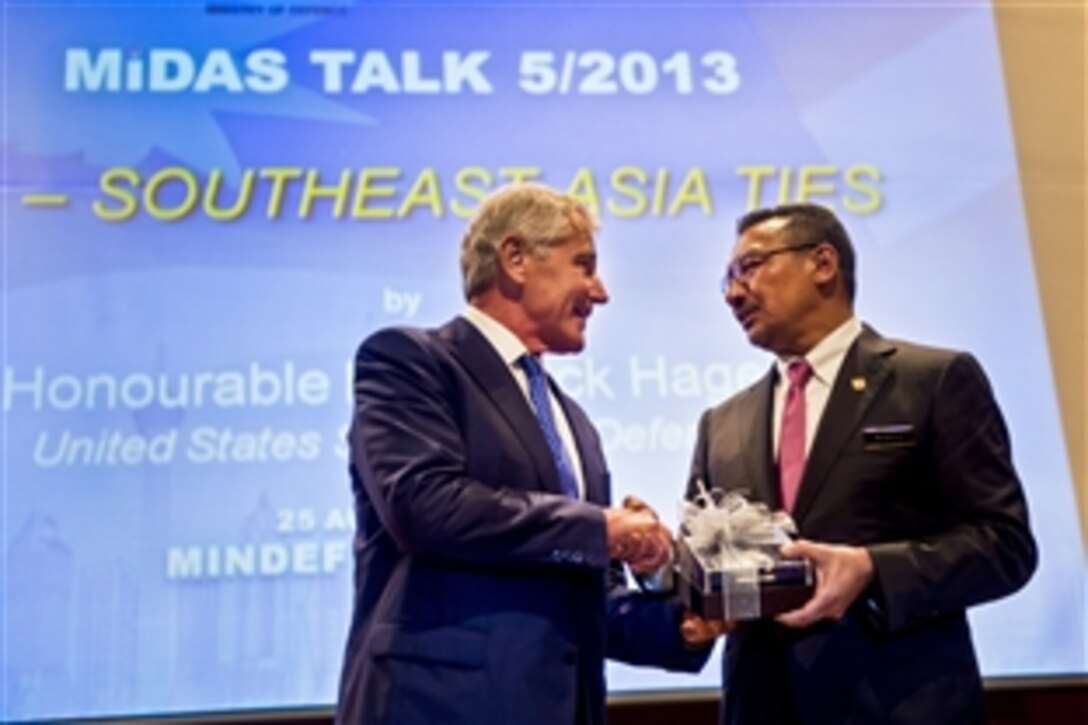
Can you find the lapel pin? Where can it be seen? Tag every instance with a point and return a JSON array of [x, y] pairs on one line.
[[858, 384]]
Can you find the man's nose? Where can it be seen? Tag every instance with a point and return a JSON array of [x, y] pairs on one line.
[[598, 292], [734, 291]]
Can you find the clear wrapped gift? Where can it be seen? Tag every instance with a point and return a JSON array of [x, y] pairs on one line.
[[728, 564]]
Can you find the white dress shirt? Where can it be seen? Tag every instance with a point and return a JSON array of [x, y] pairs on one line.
[[510, 349], [825, 359]]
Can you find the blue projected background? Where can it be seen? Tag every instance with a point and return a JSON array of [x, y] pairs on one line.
[[208, 205]]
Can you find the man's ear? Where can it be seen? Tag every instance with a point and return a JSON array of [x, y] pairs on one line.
[[826, 260], [512, 258]]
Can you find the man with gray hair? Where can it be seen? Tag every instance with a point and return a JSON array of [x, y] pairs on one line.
[[488, 580]]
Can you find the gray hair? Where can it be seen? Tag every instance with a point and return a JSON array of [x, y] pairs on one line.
[[538, 216]]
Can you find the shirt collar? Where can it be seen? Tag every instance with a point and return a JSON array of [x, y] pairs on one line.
[[827, 356], [505, 342]]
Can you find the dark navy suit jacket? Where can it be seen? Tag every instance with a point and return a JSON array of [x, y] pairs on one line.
[[482, 593], [912, 460]]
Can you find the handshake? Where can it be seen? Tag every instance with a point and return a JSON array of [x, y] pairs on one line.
[[637, 537], [834, 575]]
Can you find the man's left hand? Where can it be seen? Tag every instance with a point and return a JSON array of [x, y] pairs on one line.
[[842, 573], [698, 632]]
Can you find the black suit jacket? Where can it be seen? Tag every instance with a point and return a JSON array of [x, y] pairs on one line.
[[911, 459], [482, 593]]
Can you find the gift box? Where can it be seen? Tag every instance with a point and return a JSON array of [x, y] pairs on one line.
[[742, 592], [727, 560]]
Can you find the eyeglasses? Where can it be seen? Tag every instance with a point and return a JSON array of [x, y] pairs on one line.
[[743, 267]]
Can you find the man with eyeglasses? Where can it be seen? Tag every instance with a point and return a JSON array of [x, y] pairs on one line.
[[894, 461]]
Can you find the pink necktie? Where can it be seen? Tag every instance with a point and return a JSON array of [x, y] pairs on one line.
[[791, 443]]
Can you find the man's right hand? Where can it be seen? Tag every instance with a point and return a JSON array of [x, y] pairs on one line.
[[638, 538]]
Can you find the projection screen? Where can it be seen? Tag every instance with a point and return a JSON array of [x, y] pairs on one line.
[[208, 205]]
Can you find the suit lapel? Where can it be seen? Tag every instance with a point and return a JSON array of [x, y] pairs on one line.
[[757, 449], [864, 372], [593, 473], [483, 364]]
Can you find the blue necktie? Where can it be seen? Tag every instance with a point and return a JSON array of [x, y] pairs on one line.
[[542, 406]]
